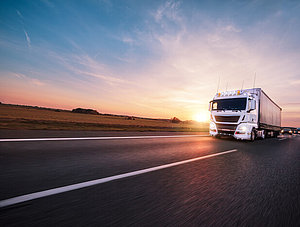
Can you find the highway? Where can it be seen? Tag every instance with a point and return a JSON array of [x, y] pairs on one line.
[[147, 179]]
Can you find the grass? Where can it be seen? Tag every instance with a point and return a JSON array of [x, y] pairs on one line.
[[26, 117]]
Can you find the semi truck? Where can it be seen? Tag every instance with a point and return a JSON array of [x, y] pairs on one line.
[[244, 114]]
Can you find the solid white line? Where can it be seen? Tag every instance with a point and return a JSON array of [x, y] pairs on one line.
[[282, 139], [97, 138], [36, 195]]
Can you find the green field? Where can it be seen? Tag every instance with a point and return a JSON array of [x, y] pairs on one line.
[[26, 117]]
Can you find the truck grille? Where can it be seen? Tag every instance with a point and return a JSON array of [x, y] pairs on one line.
[[227, 118], [226, 129]]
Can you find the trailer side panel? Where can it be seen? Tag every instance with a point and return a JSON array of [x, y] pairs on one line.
[[270, 113]]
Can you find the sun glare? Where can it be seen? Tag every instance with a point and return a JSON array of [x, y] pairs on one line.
[[201, 117]]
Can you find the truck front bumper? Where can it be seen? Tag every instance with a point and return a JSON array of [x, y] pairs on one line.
[[213, 132], [245, 136], [240, 132], [242, 136]]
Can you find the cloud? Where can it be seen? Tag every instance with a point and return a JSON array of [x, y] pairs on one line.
[[128, 40], [20, 15], [37, 82], [22, 76], [27, 38], [25, 32], [190, 58], [85, 65], [19, 75], [169, 10], [109, 79], [231, 28]]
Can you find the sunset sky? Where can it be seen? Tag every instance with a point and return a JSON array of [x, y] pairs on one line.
[[148, 58]]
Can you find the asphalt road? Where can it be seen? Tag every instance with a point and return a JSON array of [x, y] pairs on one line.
[[258, 184]]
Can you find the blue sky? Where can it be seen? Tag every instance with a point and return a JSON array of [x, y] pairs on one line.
[[148, 58]]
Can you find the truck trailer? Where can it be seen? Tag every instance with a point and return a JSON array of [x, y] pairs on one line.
[[244, 114]]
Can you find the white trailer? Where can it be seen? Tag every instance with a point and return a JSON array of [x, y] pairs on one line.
[[244, 114]]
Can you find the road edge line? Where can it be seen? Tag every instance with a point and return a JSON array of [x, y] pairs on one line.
[[96, 138]]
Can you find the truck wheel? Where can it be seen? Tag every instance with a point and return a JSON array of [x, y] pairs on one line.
[[252, 136], [263, 135]]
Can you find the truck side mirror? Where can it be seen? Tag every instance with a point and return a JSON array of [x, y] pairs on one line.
[[209, 107], [253, 105]]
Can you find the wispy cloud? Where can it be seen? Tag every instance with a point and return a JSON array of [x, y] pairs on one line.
[[37, 82], [168, 10], [28, 41], [128, 40], [19, 14], [85, 65], [18, 75], [27, 38], [231, 28], [22, 76]]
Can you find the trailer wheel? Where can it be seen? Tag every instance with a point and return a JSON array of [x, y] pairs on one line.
[[264, 134], [252, 136]]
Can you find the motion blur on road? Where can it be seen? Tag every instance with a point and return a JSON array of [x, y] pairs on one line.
[[257, 185]]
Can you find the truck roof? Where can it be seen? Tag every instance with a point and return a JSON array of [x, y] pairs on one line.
[[239, 94]]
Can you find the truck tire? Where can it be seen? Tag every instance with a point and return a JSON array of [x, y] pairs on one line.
[[252, 136], [264, 134]]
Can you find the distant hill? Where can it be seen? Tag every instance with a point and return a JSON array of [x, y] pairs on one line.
[[85, 111], [34, 117]]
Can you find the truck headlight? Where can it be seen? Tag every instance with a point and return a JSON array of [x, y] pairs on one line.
[[212, 126], [242, 129]]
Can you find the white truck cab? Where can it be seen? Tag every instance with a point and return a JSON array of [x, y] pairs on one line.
[[239, 114]]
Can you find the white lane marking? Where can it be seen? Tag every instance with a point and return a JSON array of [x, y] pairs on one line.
[[97, 138], [282, 139], [41, 194]]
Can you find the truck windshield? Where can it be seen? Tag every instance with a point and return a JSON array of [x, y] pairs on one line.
[[229, 104]]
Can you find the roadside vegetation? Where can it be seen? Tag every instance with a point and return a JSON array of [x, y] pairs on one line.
[[28, 117]]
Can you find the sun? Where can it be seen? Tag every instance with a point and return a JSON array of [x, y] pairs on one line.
[[201, 117]]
